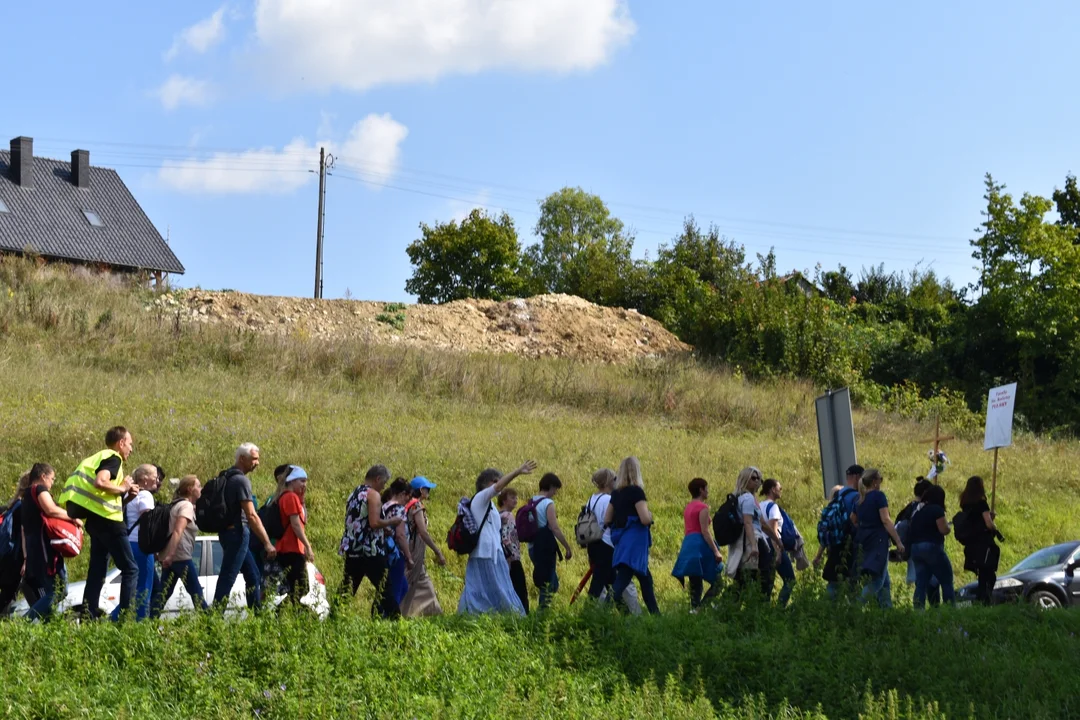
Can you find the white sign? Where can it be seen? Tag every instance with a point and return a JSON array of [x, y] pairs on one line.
[[999, 417]]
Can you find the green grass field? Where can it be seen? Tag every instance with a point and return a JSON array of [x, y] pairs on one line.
[[78, 356]]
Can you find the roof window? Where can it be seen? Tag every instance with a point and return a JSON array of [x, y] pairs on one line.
[[3, 207], [93, 218]]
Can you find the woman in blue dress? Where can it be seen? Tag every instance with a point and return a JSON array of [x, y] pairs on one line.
[[630, 521], [872, 538]]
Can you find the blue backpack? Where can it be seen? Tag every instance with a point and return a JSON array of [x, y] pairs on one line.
[[9, 539], [789, 534], [834, 525]]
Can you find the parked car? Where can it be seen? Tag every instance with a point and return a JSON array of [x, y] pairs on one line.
[[207, 556], [1045, 578]]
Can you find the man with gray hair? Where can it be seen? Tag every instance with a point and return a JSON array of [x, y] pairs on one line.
[[148, 480], [241, 523]]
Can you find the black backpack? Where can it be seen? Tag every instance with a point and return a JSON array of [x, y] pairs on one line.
[[727, 523], [153, 529], [963, 529], [270, 515], [212, 510]]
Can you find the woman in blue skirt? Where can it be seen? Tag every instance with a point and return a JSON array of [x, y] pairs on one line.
[[630, 521], [699, 558]]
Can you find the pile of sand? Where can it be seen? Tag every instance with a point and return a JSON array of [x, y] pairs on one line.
[[542, 326]]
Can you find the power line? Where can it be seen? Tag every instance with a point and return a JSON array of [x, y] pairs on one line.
[[456, 184], [433, 184]]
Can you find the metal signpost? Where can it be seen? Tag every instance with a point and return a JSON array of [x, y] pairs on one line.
[[836, 436]]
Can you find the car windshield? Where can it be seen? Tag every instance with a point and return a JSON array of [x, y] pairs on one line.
[[1045, 558]]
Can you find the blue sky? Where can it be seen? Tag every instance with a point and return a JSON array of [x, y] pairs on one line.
[[834, 131]]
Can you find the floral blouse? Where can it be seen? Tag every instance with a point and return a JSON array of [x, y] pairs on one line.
[[510, 544], [359, 538]]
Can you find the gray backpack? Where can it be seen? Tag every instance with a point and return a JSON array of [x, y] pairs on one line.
[[588, 527]]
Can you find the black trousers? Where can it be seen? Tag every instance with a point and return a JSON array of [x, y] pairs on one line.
[[10, 579], [517, 577], [374, 568], [697, 586], [600, 556], [296, 581], [765, 572]]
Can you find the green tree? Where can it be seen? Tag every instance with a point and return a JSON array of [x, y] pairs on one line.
[[1068, 203], [1024, 323], [480, 258], [692, 283], [583, 249]]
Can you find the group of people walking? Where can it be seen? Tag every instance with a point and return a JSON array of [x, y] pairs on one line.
[[109, 506], [387, 538], [862, 551]]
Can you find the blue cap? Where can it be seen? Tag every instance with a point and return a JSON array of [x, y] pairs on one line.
[[420, 482], [296, 473]]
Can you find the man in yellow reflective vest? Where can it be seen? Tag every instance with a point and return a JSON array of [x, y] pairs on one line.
[[95, 493]]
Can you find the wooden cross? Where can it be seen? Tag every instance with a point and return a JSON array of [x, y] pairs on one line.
[[937, 440]]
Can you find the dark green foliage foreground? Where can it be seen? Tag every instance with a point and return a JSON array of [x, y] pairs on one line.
[[813, 661]]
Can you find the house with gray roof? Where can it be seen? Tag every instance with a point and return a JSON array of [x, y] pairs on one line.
[[74, 212]]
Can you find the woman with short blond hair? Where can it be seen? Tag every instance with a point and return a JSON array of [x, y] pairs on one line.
[[630, 519]]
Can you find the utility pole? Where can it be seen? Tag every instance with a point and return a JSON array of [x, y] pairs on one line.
[[319, 237]]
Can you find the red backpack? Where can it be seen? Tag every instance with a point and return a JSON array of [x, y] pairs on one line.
[[65, 537], [527, 521]]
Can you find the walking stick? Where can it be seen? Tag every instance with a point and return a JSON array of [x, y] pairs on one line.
[[581, 585]]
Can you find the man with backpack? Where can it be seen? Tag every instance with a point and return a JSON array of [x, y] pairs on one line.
[[836, 533], [226, 505], [94, 493]]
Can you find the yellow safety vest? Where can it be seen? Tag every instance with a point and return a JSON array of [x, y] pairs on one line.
[[79, 488]]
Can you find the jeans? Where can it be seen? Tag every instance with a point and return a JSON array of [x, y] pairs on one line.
[[43, 608], [186, 572], [878, 586], [146, 585], [109, 538], [236, 559], [787, 574], [374, 568], [623, 576], [931, 562], [933, 591], [545, 577]]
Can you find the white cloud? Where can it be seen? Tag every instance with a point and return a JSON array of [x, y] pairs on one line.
[[372, 145], [181, 90], [357, 44], [200, 37]]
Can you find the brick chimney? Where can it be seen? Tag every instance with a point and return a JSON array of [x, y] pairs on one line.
[[80, 168], [22, 161]]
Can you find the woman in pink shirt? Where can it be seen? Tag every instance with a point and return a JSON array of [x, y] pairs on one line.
[[699, 558]]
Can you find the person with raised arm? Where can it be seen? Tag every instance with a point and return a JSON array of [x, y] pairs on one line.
[[487, 575]]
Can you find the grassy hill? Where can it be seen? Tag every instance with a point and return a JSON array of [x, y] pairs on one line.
[[79, 354]]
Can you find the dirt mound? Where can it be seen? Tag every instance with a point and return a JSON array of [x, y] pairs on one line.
[[542, 326]]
